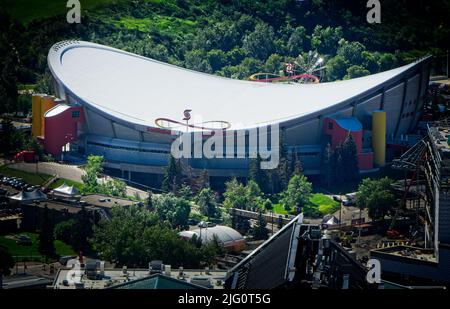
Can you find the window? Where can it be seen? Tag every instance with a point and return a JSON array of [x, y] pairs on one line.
[[330, 125], [75, 114]]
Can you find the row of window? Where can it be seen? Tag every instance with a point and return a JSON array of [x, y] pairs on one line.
[[129, 148]]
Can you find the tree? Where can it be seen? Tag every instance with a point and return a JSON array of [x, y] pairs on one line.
[[217, 59], [94, 167], [296, 164], [351, 51], [260, 231], [327, 167], [356, 71], [253, 196], [172, 176], [296, 41], [336, 68], [268, 205], [196, 60], [255, 172], [133, 236], [82, 230], [204, 179], [376, 195], [206, 200], [174, 210], [349, 159], [114, 187], [325, 40], [64, 230], [6, 263], [274, 64], [297, 193], [235, 194], [260, 42], [185, 192], [149, 201], [46, 238]]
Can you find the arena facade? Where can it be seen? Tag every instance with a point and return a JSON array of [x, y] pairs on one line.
[[126, 107]]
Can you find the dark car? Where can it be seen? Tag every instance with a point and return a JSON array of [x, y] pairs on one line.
[[192, 221], [23, 240]]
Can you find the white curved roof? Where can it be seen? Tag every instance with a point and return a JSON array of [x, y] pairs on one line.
[[139, 90], [223, 233]]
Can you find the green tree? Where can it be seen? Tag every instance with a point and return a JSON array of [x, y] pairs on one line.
[[82, 230], [296, 41], [94, 167], [377, 195], [253, 196], [274, 64], [336, 68], [172, 176], [114, 187], [217, 59], [297, 193], [46, 238], [6, 263], [185, 192], [353, 52], [206, 200], [349, 159], [133, 236], [149, 201], [356, 71], [197, 60], [260, 42], [235, 195], [255, 172], [64, 230], [326, 166], [260, 230], [325, 40], [172, 209]]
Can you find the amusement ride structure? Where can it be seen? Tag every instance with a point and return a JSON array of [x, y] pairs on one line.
[[307, 65]]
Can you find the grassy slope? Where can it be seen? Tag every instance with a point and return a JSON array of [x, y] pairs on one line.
[[32, 250], [31, 178], [323, 203], [37, 179]]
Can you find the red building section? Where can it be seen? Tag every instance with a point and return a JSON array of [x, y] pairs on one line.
[[339, 128], [61, 123]]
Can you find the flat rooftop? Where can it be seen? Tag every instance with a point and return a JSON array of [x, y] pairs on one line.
[[139, 90], [116, 276], [100, 200], [408, 252]]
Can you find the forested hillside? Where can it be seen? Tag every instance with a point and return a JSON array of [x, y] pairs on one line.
[[232, 38]]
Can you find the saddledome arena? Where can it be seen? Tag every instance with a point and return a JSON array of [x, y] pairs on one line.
[[126, 107]]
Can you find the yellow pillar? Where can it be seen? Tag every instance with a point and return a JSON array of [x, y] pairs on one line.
[[36, 114], [47, 102], [379, 137]]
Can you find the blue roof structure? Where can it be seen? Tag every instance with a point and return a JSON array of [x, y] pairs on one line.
[[350, 124]]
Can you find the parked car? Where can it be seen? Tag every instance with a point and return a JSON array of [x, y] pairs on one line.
[[23, 240], [337, 198], [193, 222], [204, 224], [348, 203]]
